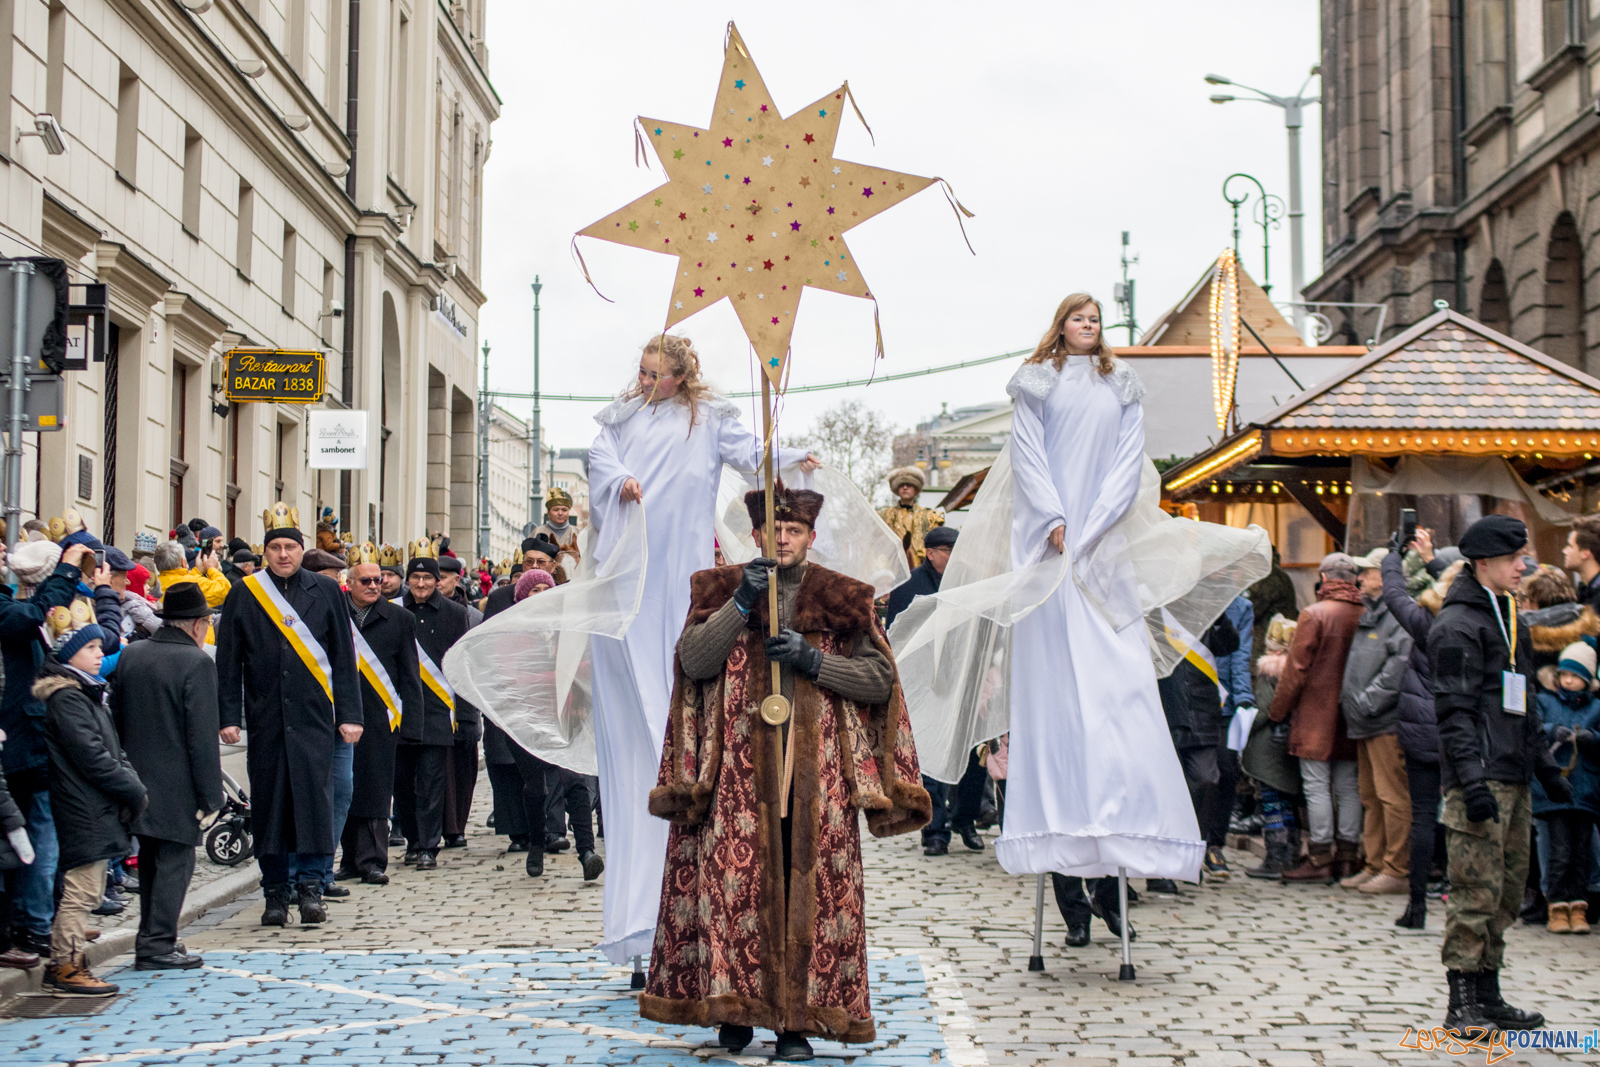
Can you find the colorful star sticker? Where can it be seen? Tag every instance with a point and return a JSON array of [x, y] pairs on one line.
[[744, 121]]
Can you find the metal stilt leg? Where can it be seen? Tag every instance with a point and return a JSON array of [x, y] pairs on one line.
[[1036, 961], [638, 972], [1126, 974]]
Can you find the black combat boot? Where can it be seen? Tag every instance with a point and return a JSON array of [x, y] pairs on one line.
[[312, 910], [1464, 1014], [735, 1038], [793, 1048], [1416, 914], [1279, 856], [1494, 1007], [276, 912]]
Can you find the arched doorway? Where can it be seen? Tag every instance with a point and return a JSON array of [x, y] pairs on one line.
[[1494, 303], [1563, 294]]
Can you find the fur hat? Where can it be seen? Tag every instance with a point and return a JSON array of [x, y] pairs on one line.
[[32, 561], [906, 476], [788, 505]]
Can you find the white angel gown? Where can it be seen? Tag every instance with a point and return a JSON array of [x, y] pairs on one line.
[[679, 470], [1094, 783]]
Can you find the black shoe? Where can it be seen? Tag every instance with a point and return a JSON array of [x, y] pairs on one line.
[[335, 891], [556, 844], [1416, 915], [970, 838], [592, 865], [108, 906], [535, 864], [375, 878], [735, 1038], [1077, 935], [1161, 885], [312, 910], [794, 1048], [1494, 1008], [1464, 1014], [346, 874], [455, 841], [396, 840], [489, 822], [937, 848], [411, 855], [427, 861], [276, 912], [518, 844], [1113, 922], [172, 961]]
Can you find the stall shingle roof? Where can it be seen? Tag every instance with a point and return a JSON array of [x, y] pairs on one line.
[[1449, 372]]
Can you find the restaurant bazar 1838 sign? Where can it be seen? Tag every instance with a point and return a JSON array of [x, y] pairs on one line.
[[263, 375]]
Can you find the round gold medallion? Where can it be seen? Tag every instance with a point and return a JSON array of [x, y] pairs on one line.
[[775, 710]]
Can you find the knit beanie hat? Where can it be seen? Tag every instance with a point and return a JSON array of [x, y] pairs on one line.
[[32, 561], [70, 641], [530, 580], [1578, 658]]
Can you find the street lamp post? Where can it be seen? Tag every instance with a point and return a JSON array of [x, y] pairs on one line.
[[535, 489], [1292, 111], [483, 460]]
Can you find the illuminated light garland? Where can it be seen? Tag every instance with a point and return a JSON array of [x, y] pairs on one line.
[[1224, 334]]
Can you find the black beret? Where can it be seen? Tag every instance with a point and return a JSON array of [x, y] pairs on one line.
[[541, 544], [450, 563], [530, 543], [940, 537], [1494, 535], [423, 565]]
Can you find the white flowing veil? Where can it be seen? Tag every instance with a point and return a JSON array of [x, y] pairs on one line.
[[953, 649], [528, 669]]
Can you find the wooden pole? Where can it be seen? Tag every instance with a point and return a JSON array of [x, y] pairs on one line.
[[774, 709]]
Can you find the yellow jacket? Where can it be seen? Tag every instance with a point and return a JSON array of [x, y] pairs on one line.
[[212, 583]]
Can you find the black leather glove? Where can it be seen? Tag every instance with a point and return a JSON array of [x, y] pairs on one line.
[[753, 585], [792, 648], [1556, 786], [1588, 743], [1481, 806]]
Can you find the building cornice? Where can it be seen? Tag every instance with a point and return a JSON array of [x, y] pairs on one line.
[[483, 88], [195, 327], [65, 233], [132, 285]]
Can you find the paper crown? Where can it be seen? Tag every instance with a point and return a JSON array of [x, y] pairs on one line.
[[68, 522], [82, 613], [422, 548], [388, 556], [367, 553], [557, 498], [257, 549], [281, 516], [350, 538], [503, 567]]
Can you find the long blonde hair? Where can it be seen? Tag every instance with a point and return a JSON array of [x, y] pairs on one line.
[[1051, 346], [682, 362]]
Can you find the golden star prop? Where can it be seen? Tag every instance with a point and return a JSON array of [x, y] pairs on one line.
[[756, 207]]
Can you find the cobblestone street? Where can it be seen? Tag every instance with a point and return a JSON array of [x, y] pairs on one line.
[[477, 964]]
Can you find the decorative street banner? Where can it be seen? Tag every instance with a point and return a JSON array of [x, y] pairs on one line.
[[337, 439], [264, 375]]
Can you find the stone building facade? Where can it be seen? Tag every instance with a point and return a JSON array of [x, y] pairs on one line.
[[298, 174], [1461, 162]]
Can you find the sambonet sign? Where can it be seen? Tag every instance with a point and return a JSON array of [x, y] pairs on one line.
[[337, 440]]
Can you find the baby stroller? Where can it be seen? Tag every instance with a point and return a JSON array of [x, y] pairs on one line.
[[228, 839]]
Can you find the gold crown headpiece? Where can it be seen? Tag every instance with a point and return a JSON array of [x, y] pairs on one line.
[[281, 516], [388, 555], [422, 548]]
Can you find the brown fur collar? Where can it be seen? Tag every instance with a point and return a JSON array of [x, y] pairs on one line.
[[1555, 638], [1272, 664], [828, 600], [52, 683]]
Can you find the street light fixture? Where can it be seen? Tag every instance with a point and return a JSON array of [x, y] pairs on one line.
[[1293, 107]]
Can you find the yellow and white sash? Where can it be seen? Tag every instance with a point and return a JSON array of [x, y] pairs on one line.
[[434, 679], [371, 669], [1193, 651], [299, 635]]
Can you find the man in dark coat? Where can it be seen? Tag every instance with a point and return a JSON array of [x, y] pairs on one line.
[[924, 581], [26, 762], [461, 771], [286, 668], [420, 767], [1492, 745], [389, 633], [536, 552], [164, 702]]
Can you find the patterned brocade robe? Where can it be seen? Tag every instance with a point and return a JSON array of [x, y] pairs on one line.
[[911, 525], [734, 943]]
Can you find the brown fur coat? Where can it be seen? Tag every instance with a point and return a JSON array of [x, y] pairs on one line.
[[744, 937]]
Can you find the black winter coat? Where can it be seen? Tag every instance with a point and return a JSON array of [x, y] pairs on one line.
[[95, 794], [499, 599], [1190, 700], [263, 685], [1418, 728], [164, 704], [496, 745], [440, 624], [11, 818], [1467, 650], [392, 632], [22, 650], [924, 581]]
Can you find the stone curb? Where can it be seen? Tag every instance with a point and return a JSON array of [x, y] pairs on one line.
[[113, 943]]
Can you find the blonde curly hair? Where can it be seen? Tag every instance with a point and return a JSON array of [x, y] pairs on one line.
[[680, 360]]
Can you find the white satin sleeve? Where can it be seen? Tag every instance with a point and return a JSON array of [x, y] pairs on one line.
[[1121, 484], [741, 449], [1036, 504]]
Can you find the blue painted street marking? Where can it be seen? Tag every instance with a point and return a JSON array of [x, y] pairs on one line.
[[268, 1009]]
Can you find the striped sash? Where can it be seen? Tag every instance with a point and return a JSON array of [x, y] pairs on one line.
[[1193, 651], [294, 629], [371, 669], [434, 679]]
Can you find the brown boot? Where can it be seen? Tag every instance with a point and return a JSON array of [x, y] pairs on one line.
[[75, 977], [20, 958], [1316, 870], [1577, 916], [1347, 860], [1559, 922]]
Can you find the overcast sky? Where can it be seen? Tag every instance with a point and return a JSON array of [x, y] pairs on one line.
[[1060, 124]]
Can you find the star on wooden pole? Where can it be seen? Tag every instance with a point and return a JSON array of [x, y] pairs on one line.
[[756, 207]]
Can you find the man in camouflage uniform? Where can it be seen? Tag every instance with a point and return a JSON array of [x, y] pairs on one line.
[[909, 520], [1492, 744]]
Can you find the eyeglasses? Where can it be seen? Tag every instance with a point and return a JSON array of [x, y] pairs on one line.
[[369, 581]]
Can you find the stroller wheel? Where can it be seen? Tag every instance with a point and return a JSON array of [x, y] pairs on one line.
[[228, 844]]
